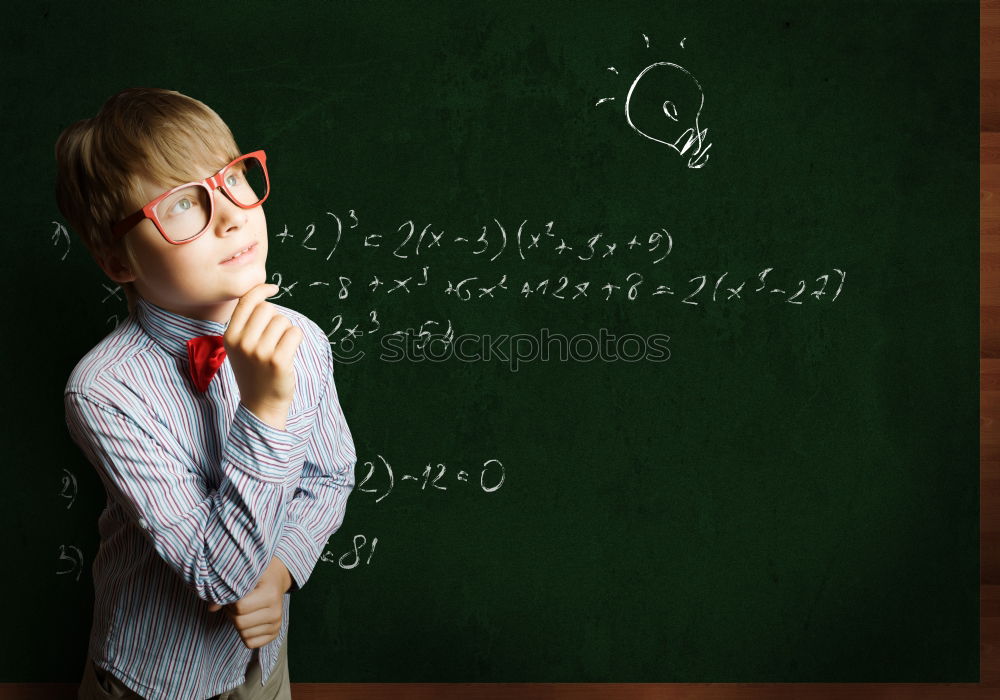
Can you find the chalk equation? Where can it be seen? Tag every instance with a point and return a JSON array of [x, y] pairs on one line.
[[353, 557], [61, 236], [69, 559], [493, 241], [69, 488], [488, 241], [698, 290], [490, 477]]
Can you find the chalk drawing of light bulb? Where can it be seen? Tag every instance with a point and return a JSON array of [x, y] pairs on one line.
[[664, 104]]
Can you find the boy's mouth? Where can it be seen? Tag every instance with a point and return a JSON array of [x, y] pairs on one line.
[[239, 253]]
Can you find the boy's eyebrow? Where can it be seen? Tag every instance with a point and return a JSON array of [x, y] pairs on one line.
[[211, 167]]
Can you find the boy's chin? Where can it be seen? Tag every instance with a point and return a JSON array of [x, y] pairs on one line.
[[243, 288]]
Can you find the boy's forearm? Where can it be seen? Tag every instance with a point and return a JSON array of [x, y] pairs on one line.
[[258, 463]]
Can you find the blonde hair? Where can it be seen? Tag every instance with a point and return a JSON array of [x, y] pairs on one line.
[[160, 135]]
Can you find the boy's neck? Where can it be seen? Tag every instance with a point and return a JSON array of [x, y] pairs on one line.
[[220, 313]]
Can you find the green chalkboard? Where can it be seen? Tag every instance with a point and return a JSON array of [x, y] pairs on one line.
[[751, 228]]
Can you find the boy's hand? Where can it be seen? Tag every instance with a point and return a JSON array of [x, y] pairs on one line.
[[261, 343], [258, 616]]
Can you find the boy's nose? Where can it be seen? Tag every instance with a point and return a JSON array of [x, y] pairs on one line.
[[227, 212]]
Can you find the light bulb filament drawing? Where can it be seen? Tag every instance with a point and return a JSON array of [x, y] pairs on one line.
[[664, 104]]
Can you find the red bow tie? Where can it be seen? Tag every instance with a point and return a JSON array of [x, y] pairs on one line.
[[205, 355]]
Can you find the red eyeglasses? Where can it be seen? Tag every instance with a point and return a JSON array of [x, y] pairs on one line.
[[185, 212]]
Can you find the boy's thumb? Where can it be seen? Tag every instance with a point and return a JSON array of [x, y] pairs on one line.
[[213, 607]]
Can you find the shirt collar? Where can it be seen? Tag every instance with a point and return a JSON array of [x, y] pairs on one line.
[[172, 330]]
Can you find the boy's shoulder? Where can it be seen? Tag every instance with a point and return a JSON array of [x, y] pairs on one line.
[[102, 362]]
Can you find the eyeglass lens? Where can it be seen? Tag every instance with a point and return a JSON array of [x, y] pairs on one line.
[[185, 213]]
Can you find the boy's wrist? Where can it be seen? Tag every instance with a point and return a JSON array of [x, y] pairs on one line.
[[274, 417], [286, 575]]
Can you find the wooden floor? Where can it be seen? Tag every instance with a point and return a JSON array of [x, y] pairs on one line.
[[989, 362]]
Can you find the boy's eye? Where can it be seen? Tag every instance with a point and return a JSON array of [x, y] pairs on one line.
[[182, 205], [234, 178]]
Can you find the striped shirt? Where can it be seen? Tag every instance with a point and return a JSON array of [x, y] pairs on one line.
[[201, 494]]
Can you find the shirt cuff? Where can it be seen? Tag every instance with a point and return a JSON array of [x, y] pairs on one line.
[[263, 451], [297, 552]]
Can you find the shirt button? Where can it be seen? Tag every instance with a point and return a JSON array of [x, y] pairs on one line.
[[143, 524]]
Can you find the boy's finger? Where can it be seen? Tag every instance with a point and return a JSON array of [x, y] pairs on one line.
[[247, 303], [288, 343]]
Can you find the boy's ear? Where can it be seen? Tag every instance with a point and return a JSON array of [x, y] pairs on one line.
[[116, 266]]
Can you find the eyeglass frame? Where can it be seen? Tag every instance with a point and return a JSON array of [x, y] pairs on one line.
[[211, 183]]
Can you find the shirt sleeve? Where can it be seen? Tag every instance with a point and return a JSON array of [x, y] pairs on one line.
[[317, 508], [219, 541]]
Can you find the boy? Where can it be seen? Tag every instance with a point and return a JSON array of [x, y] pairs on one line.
[[210, 414]]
